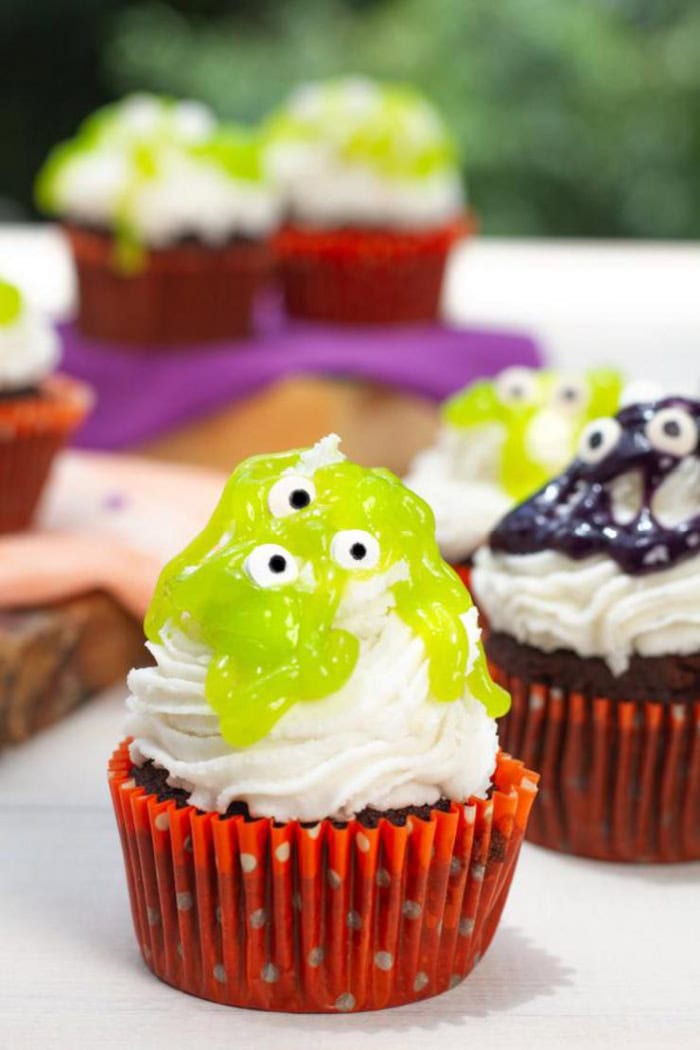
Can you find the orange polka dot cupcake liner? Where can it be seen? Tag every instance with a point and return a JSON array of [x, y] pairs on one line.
[[320, 919], [364, 276], [32, 430], [620, 779]]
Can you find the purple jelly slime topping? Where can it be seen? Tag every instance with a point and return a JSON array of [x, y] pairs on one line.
[[573, 513]]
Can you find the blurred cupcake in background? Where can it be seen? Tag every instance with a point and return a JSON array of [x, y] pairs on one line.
[[38, 410], [499, 441], [592, 591], [168, 213], [314, 810], [374, 201]]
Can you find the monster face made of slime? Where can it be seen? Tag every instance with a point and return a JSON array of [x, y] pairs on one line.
[[540, 416], [499, 441], [261, 587], [632, 493]]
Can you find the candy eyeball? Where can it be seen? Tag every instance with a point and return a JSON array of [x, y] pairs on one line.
[[598, 440], [673, 431], [290, 494], [516, 386], [355, 549], [570, 394], [271, 565]]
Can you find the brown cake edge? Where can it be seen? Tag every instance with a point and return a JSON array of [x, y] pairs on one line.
[[665, 679]]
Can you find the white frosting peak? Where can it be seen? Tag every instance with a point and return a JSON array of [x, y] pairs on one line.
[[382, 740], [457, 478], [29, 350], [590, 606]]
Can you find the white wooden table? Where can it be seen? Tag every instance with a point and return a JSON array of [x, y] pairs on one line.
[[587, 955]]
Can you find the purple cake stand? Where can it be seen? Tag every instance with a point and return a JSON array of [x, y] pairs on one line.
[[144, 393]]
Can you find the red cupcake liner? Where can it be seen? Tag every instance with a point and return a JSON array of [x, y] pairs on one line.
[[32, 430], [320, 919], [465, 574], [363, 276], [185, 294], [620, 778]]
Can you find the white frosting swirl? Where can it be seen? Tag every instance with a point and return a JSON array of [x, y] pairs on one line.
[[590, 606], [381, 740], [456, 477], [321, 191], [348, 152], [29, 350], [100, 180], [187, 196]]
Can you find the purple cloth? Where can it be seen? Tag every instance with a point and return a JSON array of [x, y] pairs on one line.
[[145, 393]]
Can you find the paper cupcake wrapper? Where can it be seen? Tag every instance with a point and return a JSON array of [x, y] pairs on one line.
[[319, 919], [465, 574], [620, 779], [182, 295], [32, 430], [354, 276]]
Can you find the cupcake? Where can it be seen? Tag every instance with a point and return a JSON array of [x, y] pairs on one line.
[[374, 201], [168, 214], [498, 442], [38, 410], [592, 591], [314, 811]]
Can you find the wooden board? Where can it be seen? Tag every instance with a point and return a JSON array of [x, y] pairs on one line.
[[55, 658]]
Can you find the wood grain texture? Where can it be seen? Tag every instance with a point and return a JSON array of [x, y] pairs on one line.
[[52, 659]]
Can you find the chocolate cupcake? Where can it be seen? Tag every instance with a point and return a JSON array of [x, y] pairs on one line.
[[592, 591], [498, 442], [370, 180], [38, 409], [314, 810], [168, 214]]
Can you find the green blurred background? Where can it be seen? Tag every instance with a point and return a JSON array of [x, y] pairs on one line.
[[573, 117]]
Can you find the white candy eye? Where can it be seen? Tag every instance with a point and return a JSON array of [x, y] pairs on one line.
[[516, 386], [673, 431], [599, 439], [290, 494], [355, 549], [270, 565], [570, 394]]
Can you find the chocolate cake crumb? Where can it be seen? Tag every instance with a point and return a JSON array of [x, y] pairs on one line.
[[666, 679], [154, 781]]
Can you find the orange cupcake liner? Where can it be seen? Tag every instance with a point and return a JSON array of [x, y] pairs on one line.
[[465, 574], [319, 919], [364, 276], [32, 430], [620, 779], [186, 294]]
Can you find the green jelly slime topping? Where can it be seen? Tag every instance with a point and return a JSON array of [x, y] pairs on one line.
[[10, 303], [268, 613], [389, 127], [233, 150], [516, 400]]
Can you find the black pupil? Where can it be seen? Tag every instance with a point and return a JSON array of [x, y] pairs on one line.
[[277, 563], [569, 394], [517, 392], [596, 439], [672, 428], [358, 551], [299, 499]]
